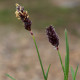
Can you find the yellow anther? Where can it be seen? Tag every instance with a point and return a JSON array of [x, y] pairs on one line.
[[17, 14], [20, 7], [28, 16], [19, 18], [17, 4], [26, 12]]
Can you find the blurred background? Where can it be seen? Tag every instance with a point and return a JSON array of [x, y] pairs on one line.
[[18, 56]]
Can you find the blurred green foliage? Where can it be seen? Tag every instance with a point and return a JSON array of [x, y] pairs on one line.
[[42, 13]]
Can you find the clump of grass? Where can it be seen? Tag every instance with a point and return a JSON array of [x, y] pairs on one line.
[[53, 39]]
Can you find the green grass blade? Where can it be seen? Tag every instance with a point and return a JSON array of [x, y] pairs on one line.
[[10, 77], [76, 72], [72, 72], [39, 57], [67, 55], [47, 71]]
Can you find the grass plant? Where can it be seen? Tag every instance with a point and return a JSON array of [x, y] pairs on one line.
[[53, 39]]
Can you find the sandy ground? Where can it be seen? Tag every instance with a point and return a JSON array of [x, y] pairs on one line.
[[19, 59]]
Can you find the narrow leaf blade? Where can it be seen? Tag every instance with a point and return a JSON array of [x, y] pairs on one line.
[[76, 72], [67, 55], [47, 71], [72, 72]]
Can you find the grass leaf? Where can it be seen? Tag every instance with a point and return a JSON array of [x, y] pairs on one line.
[[76, 72], [10, 77], [47, 71], [67, 55], [72, 72]]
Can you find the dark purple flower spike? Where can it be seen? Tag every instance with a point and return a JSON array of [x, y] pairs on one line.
[[52, 36]]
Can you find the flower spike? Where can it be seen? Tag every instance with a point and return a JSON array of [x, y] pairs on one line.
[[23, 15], [52, 36]]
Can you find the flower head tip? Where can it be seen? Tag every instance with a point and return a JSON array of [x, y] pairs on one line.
[[23, 15]]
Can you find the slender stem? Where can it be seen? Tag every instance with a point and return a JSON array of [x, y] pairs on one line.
[[61, 61], [62, 64], [38, 55]]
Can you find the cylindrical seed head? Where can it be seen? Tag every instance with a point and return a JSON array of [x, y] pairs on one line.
[[52, 36]]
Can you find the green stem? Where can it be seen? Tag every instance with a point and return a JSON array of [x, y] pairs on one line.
[[61, 61], [10, 77], [62, 64], [39, 56]]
